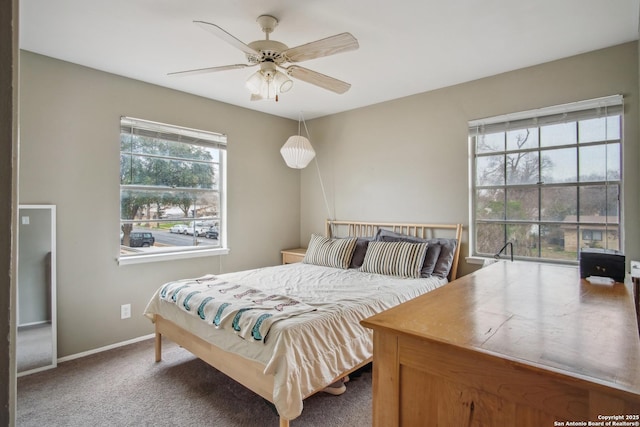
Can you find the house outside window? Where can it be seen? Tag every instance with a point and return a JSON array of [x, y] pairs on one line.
[[549, 181], [172, 191]]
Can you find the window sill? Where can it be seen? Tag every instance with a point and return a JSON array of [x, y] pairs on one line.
[[479, 260], [485, 261], [157, 257]]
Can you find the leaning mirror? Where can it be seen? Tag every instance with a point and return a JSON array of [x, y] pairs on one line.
[[36, 348]]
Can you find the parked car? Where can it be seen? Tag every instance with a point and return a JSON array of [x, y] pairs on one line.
[[212, 233], [179, 228], [199, 229], [138, 239]]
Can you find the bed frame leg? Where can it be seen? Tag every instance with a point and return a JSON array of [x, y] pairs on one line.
[[283, 422], [158, 346]]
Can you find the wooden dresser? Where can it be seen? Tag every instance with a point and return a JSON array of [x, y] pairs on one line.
[[518, 343]]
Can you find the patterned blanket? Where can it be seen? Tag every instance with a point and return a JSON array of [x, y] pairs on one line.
[[247, 311]]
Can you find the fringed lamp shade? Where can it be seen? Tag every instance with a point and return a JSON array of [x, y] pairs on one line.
[[297, 152]]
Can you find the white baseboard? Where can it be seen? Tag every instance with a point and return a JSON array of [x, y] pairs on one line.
[[27, 325], [33, 371], [105, 348]]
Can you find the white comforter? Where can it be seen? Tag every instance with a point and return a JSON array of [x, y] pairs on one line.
[[307, 351]]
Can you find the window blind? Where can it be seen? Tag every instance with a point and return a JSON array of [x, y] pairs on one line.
[[172, 133], [575, 111]]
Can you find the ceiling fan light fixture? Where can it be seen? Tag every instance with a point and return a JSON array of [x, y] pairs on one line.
[[254, 82], [297, 152], [283, 82], [268, 83]]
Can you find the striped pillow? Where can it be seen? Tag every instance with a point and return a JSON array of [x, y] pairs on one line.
[[401, 259], [330, 252]]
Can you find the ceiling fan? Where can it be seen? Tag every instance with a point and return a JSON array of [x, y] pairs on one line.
[[272, 55]]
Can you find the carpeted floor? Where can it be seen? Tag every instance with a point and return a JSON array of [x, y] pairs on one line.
[[125, 387], [33, 349]]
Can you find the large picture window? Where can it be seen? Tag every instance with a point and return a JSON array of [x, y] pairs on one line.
[[548, 181], [171, 191]]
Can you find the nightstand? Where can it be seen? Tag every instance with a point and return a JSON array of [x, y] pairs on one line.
[[289, 256]]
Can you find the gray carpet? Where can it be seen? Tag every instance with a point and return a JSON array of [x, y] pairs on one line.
[[125, 387], [33, 348]]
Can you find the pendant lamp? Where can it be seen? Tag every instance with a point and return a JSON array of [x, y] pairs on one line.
[[297, 151]]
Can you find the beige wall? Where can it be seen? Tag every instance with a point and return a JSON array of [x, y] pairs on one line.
[[403, 160], [70, 157], [407, 159]]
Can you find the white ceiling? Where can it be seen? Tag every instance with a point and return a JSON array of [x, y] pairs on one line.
[[406, 46]]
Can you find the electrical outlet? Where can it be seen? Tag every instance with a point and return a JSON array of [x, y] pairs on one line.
[[125, 311]]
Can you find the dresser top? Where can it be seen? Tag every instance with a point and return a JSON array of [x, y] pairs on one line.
[[534, 314]]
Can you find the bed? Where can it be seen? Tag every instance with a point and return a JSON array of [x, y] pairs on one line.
[[355, 270]]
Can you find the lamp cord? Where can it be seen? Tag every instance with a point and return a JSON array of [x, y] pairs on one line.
[[324, 193]]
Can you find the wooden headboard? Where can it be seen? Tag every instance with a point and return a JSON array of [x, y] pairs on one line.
[[424, 231]]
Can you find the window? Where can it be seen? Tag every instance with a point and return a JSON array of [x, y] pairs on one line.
[[592, 235], [172, 200], [540, 179]]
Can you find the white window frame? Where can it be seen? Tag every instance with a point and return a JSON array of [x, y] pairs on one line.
[[207, 139], [611, 105]]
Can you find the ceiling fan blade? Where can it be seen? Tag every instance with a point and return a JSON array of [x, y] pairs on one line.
[[209, 70], [330, 46], [318, 79], [217, 31]]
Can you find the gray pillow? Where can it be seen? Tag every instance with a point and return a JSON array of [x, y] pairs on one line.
[[439, 256], [361, 249], [430, 260], [445, 259]]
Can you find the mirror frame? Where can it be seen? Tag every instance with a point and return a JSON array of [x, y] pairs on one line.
[[54, 316]]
